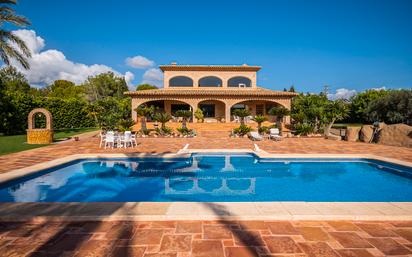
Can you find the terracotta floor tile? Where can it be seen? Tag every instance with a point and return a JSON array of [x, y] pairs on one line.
[[94, 248], [252, 225], [350, 240], [313, 234], [375, 230], [343, 226], [122, 231], [319, 249], [354, 253], [389, 246], [176, 243], [402, 223], [281, 244], [216, 232], [163, 224], [282, 228], [247, 238], [189, 227], [207, 248], [160, 255], [147, 237], [122, 251], [405, 233], [241, 252]]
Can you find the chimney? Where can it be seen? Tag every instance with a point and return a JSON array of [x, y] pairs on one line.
[[173, 63]]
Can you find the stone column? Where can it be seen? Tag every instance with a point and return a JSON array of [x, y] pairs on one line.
[[227, 112]]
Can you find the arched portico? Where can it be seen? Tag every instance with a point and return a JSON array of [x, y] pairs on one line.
[[256, 107], [164, 104], [213, 110]]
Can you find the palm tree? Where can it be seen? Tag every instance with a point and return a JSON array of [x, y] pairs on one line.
[[241, 113], [259, 119], [11, 46], [144, 112], [280, 112], [185, 114], [163, 118]]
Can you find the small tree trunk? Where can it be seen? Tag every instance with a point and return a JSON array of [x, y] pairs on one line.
[[184, 123], [242, 121], [143, 121], [259, 126], [163, 126], [328, 127]]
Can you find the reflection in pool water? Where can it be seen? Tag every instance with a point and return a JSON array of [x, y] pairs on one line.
[[220, 177]]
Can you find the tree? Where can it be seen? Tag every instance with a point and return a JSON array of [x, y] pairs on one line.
[[292, 88], [242, 114], [394, 107], [185, 115], [109, 111], [309, 108], [145, 87], [334, 111], [13, 80], [360, 102], [144, 112], [163, 118], [280, 112], [104, 85], [259, 119], [65, 89], [12, 46]]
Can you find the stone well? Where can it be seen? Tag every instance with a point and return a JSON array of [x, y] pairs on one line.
[[40, 135]]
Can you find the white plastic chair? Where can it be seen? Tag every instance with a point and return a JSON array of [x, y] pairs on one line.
[[275, 134], [109, 139], [102, 138], [126, 139], [133, 139], [255, 136]]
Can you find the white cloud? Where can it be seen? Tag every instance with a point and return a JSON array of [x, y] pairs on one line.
[[378, 88], [49, 65], [153, 76], [139, 62], [342, 93], [129, 76]]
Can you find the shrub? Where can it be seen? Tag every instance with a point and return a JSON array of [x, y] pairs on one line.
[[186, 132], [242, 130], [263, 130], [199, 115], [125, 124], [164, 131], [303, 129]]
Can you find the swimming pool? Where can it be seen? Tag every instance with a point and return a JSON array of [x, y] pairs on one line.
[[215, 177]]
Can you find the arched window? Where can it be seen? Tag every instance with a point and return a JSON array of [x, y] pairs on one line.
[[180, 81], [210, 81], [239, 82]]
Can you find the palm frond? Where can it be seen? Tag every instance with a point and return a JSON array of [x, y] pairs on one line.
[[14, 19], [8, 1], [11, 52], [15, 39]]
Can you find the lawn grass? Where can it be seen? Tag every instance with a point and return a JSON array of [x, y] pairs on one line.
[[345, 125], [17, 143]]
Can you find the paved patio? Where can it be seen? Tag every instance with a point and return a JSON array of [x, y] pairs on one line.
[[207, 140], [207, 239]]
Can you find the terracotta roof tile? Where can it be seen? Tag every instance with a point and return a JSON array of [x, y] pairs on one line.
[[210, 92], [209, 68]]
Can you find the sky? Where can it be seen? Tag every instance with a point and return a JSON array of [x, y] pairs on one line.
[[349, 45]]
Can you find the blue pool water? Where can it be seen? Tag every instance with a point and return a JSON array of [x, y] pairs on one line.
[[214, 178]]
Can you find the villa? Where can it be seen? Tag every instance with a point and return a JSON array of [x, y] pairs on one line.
[[215, 89]]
